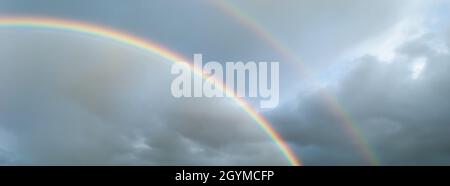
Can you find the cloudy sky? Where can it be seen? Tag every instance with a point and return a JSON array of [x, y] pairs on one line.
[[361, 83]]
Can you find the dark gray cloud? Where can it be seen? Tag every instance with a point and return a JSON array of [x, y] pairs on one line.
[[402, 116], [96, 102]]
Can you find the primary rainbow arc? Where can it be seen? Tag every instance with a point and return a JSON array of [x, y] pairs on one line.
[[152, 47]]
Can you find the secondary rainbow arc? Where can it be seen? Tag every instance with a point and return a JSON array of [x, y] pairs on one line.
[[251, 24]]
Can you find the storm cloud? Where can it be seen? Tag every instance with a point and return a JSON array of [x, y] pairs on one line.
[[400, 107], [73, 99], [97, 102]]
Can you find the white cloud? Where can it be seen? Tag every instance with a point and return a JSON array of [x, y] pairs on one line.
[[417, 67]]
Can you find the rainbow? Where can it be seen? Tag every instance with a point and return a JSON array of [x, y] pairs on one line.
[[251, 24], [152, 47]]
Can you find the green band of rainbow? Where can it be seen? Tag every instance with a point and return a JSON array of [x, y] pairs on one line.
[[152, 47]]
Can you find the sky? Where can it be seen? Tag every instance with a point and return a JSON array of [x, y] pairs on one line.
[[361, 83]]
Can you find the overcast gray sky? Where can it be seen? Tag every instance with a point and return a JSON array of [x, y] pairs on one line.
[[68, 98]]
